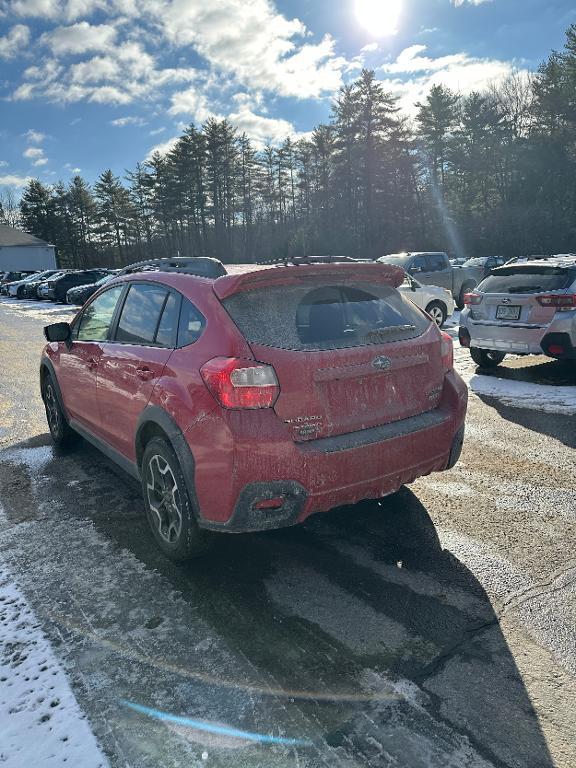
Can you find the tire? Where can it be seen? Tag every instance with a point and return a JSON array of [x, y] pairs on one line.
[[466, 288], [486, 358], [437, 312], [169, 509], [61, 433], [20, 293]]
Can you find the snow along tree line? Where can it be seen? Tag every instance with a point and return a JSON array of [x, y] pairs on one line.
[[488, 173]]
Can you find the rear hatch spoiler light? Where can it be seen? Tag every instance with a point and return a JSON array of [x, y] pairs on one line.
[[343, 272]]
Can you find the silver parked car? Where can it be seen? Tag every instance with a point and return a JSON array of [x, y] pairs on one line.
[[526, 308]]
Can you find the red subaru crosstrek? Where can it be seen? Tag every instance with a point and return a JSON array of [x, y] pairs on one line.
[[248, 401]]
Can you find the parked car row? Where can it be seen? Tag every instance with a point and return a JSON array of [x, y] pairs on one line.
[[54, 285]]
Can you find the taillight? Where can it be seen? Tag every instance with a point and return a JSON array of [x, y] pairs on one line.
[[558, 300], [472, 298], [241, 383], [447, 351]]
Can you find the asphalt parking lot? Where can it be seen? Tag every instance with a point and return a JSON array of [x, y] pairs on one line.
[[432, 628]]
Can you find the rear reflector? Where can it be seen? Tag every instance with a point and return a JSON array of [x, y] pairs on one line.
[[471, 299], [275, 503], [560, 301], [447, 352], [241, 383], [556, 349]]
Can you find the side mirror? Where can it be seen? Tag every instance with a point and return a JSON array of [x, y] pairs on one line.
[[414, 270], [57, 332]]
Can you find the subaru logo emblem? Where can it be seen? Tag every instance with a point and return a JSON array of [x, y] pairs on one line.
[[506, 301], [382, 363]]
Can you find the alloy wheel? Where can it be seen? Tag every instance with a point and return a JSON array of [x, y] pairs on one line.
[[164, 499], [437, 315], [52, 409]]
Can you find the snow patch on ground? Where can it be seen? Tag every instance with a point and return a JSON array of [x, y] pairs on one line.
[[521, 394], [42, 723]]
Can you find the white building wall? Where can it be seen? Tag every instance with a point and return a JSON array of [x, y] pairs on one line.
[[21, 257]]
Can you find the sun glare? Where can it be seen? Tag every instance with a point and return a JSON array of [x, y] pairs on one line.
[[380, 17]]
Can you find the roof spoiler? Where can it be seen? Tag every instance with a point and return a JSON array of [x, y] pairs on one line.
[[343, 272]]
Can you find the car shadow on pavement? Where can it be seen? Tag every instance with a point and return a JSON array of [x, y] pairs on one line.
[[557, 425], [358, 624]]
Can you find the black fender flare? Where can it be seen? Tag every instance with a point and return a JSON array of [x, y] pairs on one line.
[[153, 414]]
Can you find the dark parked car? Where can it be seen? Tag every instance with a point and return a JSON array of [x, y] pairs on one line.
[[58, 286], [250, 401], [31, 290], [82, 293]]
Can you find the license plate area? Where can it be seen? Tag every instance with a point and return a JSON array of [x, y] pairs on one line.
[[504, 312]]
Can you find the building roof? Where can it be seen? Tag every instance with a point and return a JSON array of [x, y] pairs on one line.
[[10, 236]]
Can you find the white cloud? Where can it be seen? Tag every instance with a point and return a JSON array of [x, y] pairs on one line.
[[70, 168], [79, 38], [251, 41], [163, 148], [14, 42], [156, 131], [262, 130], [122, 122], [369, 48], [412, 74], [36, 137], [40, 161], [191, 102], [12, 180], [33, 152], [469, 2], [3, 163]]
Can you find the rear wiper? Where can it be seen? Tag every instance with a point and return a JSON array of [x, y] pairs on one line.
[[373, 335], [526, 289]]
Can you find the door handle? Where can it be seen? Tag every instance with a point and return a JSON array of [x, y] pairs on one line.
[[144, 373], [92, 362]]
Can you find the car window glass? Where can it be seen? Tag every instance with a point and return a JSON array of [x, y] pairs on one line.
[[420, 263], [435, 262], [140, 314], [166, 334], [191, 324], [96, 318]]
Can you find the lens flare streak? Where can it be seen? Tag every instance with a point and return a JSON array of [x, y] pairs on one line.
[[220, 730]]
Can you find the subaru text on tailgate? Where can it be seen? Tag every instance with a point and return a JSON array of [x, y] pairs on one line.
[[250, 401]]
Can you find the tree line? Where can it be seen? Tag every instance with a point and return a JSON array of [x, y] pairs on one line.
[[484, 174]]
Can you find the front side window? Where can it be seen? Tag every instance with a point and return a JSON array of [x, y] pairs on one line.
[[140, 316], [420, 264], [96, 319]]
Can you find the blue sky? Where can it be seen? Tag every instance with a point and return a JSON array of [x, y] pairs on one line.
[[91, 84]]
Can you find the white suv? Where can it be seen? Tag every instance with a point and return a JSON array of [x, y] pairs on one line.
[[526, 308]]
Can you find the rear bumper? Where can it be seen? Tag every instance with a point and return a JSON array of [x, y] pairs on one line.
[[259, 461], [516, 338]]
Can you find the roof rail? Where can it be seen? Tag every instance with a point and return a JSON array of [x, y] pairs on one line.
[[201, 266], [298, 260]]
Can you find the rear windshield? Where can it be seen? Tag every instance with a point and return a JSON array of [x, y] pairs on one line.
[[307, 317], [534, 280]]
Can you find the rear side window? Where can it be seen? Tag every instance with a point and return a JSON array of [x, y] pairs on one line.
[[140, 314], [325, 317], [436, 262], [537, 280], [96, 319], [192, 324]]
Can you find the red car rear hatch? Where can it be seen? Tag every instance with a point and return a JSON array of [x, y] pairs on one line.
[[350, 352]]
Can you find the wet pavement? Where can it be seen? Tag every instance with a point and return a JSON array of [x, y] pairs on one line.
[[433, 628]]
